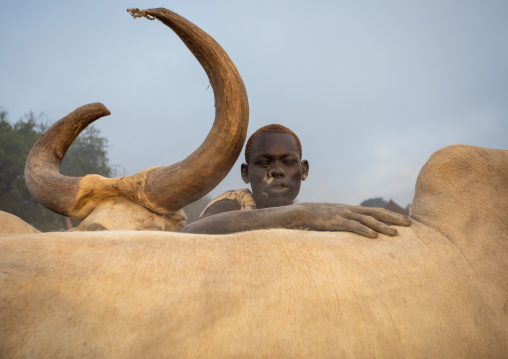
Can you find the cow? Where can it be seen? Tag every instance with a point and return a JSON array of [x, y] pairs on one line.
[[438, 289], [151, 199]]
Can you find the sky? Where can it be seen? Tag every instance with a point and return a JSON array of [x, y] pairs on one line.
[[372, 88]]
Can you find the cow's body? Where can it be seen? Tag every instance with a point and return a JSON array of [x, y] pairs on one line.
[[438, 289]]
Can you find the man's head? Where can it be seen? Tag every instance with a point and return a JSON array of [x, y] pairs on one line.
[[274, 166]]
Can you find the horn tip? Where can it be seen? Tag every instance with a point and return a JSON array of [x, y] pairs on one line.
[[99, 107]]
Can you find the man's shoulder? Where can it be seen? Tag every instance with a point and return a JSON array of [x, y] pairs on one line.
[[239, 199], [220, 207]]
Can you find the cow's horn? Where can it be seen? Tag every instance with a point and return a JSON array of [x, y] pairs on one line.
[[42, 176], [161, 189]]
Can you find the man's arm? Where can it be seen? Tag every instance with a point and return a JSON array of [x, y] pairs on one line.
[[365, 221]]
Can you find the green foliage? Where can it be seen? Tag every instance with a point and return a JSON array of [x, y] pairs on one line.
[[374, 202], [193, 210], [86, 155]]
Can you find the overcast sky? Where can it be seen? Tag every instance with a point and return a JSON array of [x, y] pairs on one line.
[[372, 88]]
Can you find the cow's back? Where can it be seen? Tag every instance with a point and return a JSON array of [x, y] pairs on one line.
[[439, 288], [263, 293]]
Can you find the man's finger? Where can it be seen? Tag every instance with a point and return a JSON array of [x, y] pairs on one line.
[[382, 214], [373, 224], [355, 227]]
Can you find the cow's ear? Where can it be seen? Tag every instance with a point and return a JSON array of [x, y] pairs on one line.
[[245, 172], [305, 169]]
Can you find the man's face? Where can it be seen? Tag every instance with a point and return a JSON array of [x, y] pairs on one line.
[[274, 170]]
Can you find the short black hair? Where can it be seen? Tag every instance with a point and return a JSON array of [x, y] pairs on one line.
[[274, 128]]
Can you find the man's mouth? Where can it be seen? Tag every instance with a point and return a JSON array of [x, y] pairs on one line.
[[279, 186]]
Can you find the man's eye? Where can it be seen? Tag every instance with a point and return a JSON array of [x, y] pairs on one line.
[[263, 163], [290, 162]]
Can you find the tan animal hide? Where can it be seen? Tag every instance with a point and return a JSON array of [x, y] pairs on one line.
[[438, 289], [12, 224]]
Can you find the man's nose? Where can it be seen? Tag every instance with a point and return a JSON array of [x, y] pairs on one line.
[[277, 172]]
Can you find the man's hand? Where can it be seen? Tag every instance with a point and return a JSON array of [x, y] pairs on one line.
[[366, 221]]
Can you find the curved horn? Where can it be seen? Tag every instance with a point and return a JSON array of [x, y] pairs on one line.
[[42, 176], [213, 160], [161, 189]]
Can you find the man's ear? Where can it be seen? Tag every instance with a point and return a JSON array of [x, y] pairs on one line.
[[245, 172], [305, 169]]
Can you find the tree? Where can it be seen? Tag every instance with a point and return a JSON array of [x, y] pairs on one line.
[[374, 202], [88, 154]]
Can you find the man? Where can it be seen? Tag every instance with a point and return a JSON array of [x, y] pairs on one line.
[[274, 168]]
